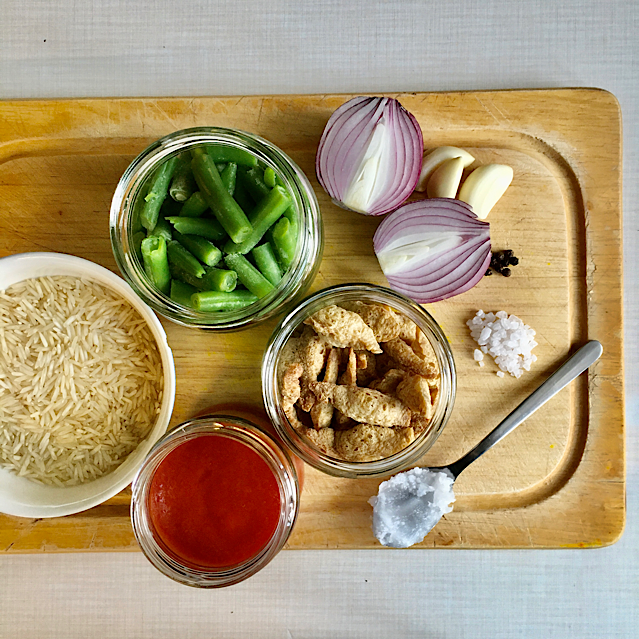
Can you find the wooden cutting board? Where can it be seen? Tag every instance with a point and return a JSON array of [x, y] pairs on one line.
[[558, 481]]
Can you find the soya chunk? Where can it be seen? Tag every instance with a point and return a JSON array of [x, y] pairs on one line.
[[414, 391], [324, 439], [349, 376], [406, 357], [343, 329], [313, 352], [383, 321], [363, 404], [322, 412], [365, 442], [389, 383], [289, 355]]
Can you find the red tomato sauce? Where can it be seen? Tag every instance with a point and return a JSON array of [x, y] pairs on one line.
[[214, 502]]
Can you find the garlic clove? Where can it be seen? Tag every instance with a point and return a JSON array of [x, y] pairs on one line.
[[445, 179], [436, 157], [484, 187]]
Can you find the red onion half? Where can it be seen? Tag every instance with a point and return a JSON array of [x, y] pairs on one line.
[[370, 155], [433, 249]]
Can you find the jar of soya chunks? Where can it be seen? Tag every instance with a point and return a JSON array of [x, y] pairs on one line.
[[216, 228]]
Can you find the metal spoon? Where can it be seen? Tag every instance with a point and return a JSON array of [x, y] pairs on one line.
[[406, 509]]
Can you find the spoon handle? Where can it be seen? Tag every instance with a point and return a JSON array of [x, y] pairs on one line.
[[571, 368]]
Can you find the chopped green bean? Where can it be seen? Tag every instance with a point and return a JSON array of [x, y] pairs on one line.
[[162, 228], [268, 210], [215, 279], [224, 207], [269, 177], [203, 249], [218, 279], [267, 263], [253, 182], [222, 153], [195, 206], [181, 292], [222, 301], [284, 241], [183, 182], [178, 273], [291, 215], [157, 193], [204, 227], [156, 266], [229, 175], [183, 259], [249, 275]]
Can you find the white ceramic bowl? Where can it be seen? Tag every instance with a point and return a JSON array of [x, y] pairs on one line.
[[25, 498]]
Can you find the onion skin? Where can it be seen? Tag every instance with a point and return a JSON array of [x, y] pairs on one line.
[[436, 274], [344, 144]]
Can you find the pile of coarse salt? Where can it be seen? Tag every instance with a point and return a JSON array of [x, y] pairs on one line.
[[506, 338]]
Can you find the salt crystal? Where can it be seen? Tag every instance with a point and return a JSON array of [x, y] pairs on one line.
[[478, 355], [409, 505], [501, 374], [506, 338]]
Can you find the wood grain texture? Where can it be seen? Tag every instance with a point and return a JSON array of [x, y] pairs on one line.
[[559, 480]]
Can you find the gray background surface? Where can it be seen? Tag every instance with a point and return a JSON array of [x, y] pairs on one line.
[[74, 48]]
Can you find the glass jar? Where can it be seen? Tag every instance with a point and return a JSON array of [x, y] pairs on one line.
[[301, 445], [244, 432], [310, 237]]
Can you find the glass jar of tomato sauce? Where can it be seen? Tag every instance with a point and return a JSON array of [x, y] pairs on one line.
[[215, 501]]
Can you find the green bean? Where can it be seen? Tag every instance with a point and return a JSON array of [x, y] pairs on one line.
[[224, 207], [154, 257], [221, 301], [204, 250], [229, 175], [252, 181], [162, 228], [268, 210], [222, 153], [195, 206], [215, 279], [183, 259], [291, 215], [156, 195], [284, 243], [181, 292], [218, 279], [269, 177], [267, 264], [183, 182], [249, 275], [180, 274], [204, 227]]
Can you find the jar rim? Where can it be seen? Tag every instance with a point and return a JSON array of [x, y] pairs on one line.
[[310, 236], [260, 442], [305, 449]]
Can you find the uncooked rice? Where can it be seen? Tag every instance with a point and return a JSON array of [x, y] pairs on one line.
[[505, 338], [80, 380]]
